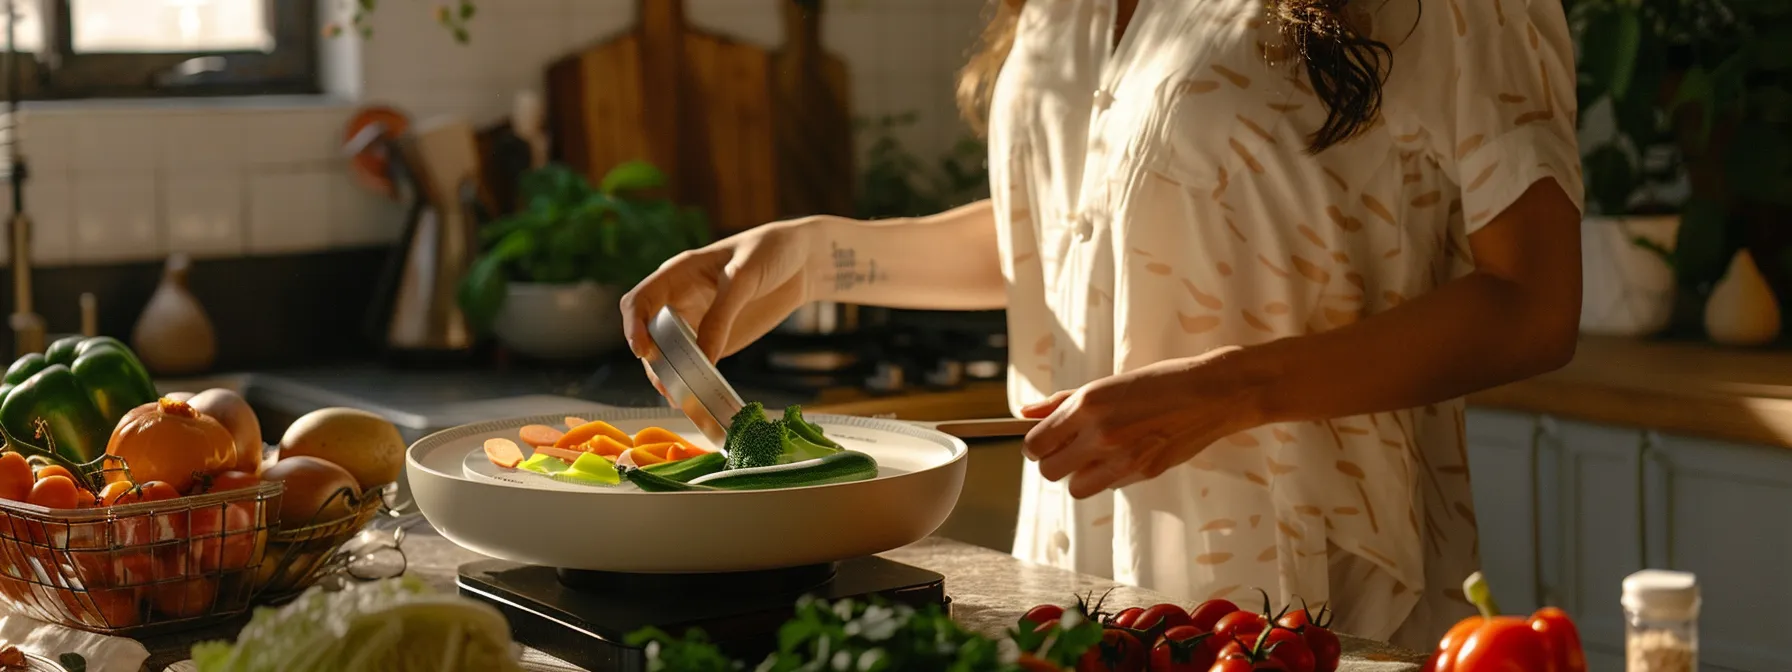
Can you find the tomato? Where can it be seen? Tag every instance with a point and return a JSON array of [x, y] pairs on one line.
[[1126, 618], [15, 477], [1043, 614], [142, 528], [117, 608], [54, 491], [191, 598], [1241, 625], [1290, 648], [1233, 664], [1157, 619], [1207, 614], [1546, 642], [1183, 648], [55, 470], [223, 537], [224, 481], [1118, 651]]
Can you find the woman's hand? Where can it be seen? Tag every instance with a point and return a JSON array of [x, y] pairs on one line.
[[1134, 426], [733, 291]]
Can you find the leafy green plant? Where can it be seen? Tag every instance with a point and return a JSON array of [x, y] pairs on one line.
[[1699, 88], [896, 183], [569, 232]]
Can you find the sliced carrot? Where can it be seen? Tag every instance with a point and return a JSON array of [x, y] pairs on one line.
[[566, 455], [640, 457], [572, 422], [677, 452], [658, 435], [540, 435], [663, 451], [503, 452], [592, 430], [604, 445]]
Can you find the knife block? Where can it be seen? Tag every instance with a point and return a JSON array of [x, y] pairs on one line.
[[749, 135]]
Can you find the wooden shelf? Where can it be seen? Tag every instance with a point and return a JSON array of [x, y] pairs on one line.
[[1688, 388]]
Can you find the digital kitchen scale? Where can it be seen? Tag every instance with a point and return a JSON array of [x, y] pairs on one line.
[[585, 617]]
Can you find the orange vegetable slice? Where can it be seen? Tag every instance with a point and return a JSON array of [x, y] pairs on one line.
[[566, 455], [640, 457], [658, 435], [572, 421], [661, 451], [604, 446], [503, 452], [591, 430], [540, 435]]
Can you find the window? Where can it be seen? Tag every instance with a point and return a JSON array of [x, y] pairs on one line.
[[140, 48]]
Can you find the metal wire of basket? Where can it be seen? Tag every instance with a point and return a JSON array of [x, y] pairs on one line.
[[138, 568], [298, 557]]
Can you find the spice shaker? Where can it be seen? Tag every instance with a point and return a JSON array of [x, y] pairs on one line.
[[1661, 618]]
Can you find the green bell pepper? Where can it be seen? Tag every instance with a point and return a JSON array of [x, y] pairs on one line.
[[79, 388]]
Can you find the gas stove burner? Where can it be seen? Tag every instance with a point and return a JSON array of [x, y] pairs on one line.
[[584, 617]]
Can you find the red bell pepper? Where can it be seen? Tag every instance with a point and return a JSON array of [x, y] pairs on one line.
[[1545, 642]]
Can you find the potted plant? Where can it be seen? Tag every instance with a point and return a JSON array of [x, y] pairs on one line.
[[551, 276], [1699, 95]]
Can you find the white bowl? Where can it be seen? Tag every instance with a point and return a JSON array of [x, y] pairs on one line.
[[623, 529], [558, 322]]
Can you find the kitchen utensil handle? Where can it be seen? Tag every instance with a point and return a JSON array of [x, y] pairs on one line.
[[986, 428]]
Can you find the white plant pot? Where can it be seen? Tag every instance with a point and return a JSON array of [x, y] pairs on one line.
[[1626, 290], [559, 322]]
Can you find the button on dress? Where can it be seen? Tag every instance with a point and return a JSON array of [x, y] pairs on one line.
[[1154, 200]]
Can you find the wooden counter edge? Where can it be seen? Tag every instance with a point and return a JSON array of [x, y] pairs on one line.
[[1727, 417]]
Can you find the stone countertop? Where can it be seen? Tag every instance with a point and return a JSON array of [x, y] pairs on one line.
[[989, 590]]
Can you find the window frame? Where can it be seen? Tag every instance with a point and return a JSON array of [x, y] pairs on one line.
[[59, 73]]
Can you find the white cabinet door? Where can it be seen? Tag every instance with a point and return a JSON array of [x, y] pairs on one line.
[[1599, 527], [1502, 468], [1720, 510]]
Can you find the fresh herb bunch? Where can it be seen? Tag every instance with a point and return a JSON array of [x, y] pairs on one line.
[[569, 232], [872, 635]]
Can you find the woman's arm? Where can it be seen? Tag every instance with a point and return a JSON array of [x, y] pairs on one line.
[[948, 261], [1515, 316]]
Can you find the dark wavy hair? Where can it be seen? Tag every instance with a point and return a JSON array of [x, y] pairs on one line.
[[1345, 68]]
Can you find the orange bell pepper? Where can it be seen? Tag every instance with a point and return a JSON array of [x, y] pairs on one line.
[[1546, 642]]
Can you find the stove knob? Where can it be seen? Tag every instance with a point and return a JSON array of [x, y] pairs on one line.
[[946, 373], [886, 376]]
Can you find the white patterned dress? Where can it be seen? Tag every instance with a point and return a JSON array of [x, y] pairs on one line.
[[1154, 201]]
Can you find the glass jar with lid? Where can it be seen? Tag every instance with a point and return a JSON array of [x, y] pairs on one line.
[[1661, 617]]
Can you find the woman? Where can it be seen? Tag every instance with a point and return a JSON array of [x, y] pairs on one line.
[[1253, 253]]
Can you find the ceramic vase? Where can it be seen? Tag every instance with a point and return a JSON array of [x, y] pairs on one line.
[[174, 336]]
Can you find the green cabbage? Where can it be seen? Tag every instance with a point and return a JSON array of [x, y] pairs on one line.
[[393, 625]]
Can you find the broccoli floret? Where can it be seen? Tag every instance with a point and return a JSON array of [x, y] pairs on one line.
[[756, 444], [793, 416], [757, 441]]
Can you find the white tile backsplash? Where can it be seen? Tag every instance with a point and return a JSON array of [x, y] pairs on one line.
[[119, 180], [50, 203], [288, 212], [205, 213], [359, 217], [115, 217]]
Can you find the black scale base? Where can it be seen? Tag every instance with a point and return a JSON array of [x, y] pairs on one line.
[[585, 617]]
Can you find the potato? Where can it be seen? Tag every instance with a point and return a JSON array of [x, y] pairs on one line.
[[311, 494], [363, 443], [230, 410]]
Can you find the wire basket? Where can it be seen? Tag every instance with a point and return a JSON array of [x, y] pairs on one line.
[[297, 557], [139, 568]]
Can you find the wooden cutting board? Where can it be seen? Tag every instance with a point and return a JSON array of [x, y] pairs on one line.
[[747, 134]]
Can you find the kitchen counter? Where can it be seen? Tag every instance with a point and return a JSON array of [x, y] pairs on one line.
[[1688, 388], [989, 591]]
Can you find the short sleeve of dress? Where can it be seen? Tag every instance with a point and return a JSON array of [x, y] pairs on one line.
[[1487, 88]]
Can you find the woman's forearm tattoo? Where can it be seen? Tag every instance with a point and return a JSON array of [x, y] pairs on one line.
[[850, 271]]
